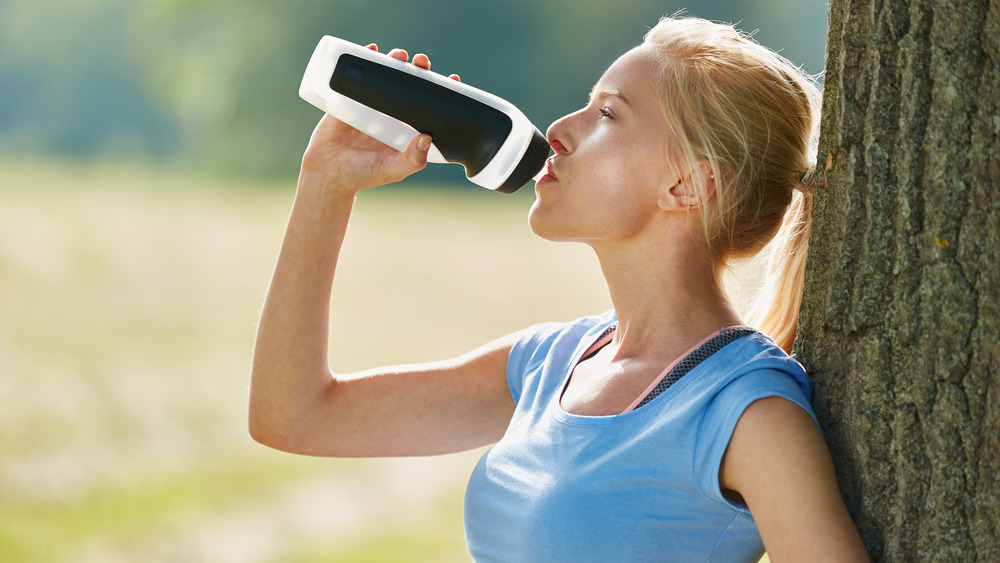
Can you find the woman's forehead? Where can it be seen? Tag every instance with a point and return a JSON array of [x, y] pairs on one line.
[[635, 68], [630, 78]]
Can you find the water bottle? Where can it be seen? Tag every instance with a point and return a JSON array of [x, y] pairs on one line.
[[394, 102]]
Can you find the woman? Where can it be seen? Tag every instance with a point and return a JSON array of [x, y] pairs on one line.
[[662, 430]]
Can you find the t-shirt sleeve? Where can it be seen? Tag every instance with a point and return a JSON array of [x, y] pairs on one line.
[[525, 353], [725, 410], [547, 342]]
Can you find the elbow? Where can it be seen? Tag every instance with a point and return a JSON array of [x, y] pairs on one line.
[[268, 408], [276, 436], [259, 432], [266, 433], [287, 416], [284, 426], [266, 426]]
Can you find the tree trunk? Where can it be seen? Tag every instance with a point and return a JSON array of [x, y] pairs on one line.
[[901, 313]]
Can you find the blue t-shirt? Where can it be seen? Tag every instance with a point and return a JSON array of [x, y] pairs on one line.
[[639, 486]]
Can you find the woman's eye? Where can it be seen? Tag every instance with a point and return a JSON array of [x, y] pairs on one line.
[[606, 113]]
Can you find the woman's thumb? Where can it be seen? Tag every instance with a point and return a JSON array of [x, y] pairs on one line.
[[414, 158], [417, 151], [424, 142]]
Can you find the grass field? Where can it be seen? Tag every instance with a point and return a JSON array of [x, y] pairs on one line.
[[128, 303]]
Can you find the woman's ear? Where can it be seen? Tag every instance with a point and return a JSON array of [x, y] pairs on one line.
[[684, 194], [677, 197]]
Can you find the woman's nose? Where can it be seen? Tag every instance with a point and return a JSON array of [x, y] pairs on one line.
[[557, 146], [558, 135]]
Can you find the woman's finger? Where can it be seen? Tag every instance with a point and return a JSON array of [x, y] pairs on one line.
[[421, 60]]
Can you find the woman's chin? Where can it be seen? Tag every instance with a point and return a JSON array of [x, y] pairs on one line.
[[537, 222], [547, 231]]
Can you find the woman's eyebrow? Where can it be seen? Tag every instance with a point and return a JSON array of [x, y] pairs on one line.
[[600, 93]]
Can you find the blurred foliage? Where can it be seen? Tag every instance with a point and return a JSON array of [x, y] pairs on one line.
[[214, 84]]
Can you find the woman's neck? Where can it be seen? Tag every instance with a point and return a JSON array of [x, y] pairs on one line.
[[664, 299]]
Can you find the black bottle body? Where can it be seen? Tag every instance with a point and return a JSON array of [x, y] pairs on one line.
[[394, 101]]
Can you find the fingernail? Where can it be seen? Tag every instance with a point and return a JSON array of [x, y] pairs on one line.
[[424, 143]]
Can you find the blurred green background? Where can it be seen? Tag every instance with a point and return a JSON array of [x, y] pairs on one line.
[[214, 84], [148, 152]]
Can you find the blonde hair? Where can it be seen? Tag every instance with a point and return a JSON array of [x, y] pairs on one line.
[[753, 116]]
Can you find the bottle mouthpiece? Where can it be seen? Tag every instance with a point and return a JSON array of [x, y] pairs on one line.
[[531, 166]]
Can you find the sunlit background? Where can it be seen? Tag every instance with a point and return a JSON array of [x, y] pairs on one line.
[[148, 152]]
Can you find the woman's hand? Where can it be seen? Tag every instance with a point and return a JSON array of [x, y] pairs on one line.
[[345, 159]]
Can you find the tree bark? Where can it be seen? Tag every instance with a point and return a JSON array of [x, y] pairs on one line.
[[901, 312]]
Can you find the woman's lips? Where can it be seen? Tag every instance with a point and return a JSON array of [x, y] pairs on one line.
[[547, 176], [545, 179]]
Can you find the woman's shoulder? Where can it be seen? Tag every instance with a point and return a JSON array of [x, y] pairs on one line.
[[552, 331], [549, 346], [755, 361], [756, 350]]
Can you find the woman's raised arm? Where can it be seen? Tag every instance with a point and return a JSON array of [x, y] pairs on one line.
[[296, 403]]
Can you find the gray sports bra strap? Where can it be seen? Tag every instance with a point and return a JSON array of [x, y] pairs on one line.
[[696, 357]]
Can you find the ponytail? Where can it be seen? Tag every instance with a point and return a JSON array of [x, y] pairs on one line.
[[775, 311], [753, 116]]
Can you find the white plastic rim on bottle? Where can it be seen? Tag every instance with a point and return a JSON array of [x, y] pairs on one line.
[[315, 89]]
